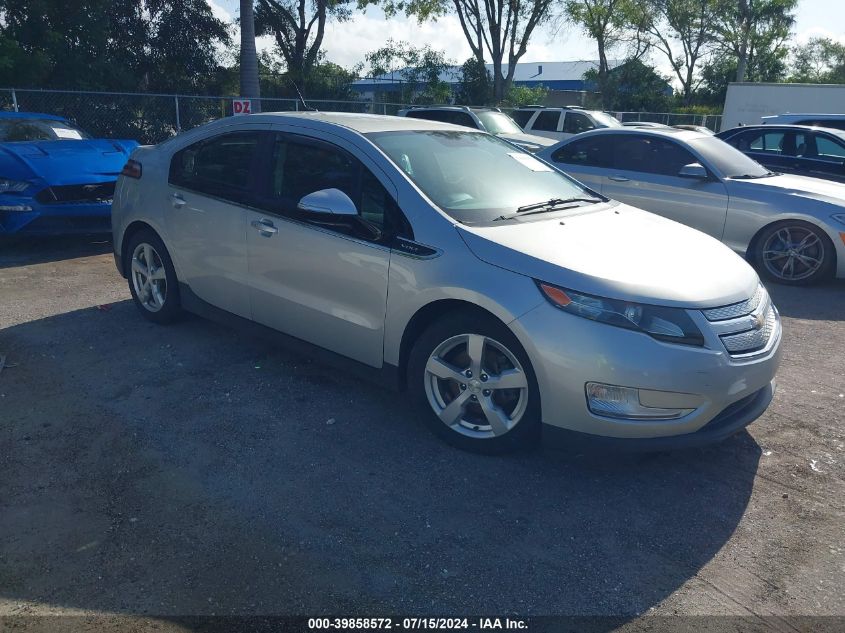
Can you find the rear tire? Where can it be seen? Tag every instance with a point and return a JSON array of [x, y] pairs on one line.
[[152, 278], [794, 253], [473, 385]]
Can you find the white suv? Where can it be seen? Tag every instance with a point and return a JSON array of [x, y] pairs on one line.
[[561, 123]]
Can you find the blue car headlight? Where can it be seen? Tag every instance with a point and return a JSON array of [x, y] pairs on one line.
[[673, 325], [12, 186]]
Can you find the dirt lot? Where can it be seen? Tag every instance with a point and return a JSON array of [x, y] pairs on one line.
[[191, 469]]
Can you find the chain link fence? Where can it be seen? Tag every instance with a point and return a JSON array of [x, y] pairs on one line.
[[710, 121], [152, 118]]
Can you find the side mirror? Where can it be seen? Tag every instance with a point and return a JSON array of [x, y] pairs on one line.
[[328, 202], [693, 170]]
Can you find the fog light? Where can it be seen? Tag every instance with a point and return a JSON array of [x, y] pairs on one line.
[[624, 403], [16, 207]]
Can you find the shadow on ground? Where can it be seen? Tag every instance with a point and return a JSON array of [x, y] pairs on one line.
[[28, 250], [192, 470], [824, 302]]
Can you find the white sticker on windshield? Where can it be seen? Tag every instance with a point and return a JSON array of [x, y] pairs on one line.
[[63, 132], [529, 161]]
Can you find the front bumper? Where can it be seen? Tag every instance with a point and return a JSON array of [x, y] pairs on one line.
[[568, 351], [53, 219]]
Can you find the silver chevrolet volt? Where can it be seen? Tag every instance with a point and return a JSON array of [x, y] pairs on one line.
[[510, 301]]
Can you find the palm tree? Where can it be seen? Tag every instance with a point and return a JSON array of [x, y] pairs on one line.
[[249, 59]]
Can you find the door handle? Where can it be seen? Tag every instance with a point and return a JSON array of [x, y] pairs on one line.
[[619, 179], [177, 200], [265, 227]]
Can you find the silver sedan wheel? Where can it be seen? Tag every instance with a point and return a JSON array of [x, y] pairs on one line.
[[148, 277], [793, 253], [476, 386]]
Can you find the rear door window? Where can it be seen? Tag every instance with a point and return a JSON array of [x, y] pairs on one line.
[[220, 166], [546, 121], [589, 152], [522, 117]]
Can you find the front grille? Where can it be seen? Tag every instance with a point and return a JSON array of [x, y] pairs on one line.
[[69, 194], [746, 327], [736, 309], [752, 340]]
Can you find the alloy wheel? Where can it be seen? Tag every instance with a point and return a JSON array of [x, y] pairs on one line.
[[148, 277], [476, 386], [793, 253]]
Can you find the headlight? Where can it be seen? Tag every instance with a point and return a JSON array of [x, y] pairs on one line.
[[12, 185], [665, 324], [839, 217]]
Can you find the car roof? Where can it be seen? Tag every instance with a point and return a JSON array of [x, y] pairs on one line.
[[357, 122], [785, 126], [786, 116], [453, 108], [668, 132], [29, 115]]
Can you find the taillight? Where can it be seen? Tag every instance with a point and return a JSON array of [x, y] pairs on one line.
[[132, 169]]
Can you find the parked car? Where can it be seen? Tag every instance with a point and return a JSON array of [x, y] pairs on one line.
[[54, 178], [561, 123], [648, 124], [490, 120], [792, 149], [695, 128], [836, 121], [503, 295], [791, 227]]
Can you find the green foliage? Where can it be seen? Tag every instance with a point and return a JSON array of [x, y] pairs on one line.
[[765, 65], [476, 84], [633, 87], [110, 45], [418, 70], [523, 95], [821, 60]]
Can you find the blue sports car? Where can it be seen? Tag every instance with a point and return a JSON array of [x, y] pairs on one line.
[[54, 178]]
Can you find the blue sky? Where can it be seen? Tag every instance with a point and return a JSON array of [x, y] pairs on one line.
[[346, 43]]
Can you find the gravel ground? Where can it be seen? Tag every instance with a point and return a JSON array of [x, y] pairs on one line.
[[190, 469]]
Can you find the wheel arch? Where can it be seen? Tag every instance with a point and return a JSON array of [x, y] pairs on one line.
[[131, 230], [423, 318]]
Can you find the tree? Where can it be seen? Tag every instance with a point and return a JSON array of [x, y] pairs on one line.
[[476, 83], [249, 59], [110, 45], [634, 86], [716, 74], [610, 23], [420, 68], [746, 28], [502, 29], [298, 27], [685, 24], [821, 60]]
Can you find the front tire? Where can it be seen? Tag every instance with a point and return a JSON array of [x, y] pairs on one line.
[[794, 253], [152, 278], [474, 386]]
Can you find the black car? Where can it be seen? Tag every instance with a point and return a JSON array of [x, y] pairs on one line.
[[792, 149]]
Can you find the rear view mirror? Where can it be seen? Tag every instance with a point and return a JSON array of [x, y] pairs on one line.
[[693, 170], [328, 202]]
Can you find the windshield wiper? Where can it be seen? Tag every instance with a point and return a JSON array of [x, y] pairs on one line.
[[754, 176], [549, 205]]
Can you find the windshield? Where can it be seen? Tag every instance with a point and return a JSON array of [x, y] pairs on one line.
[[38, 130], [603, 119], [498, 123], [471, 176], [727, 159]]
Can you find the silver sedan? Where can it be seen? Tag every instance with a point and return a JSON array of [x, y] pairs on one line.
[[505, 297], [791, 227]]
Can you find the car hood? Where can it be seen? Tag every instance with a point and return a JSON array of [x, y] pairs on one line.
[[619, 252], [66, 161], [827, 191], [529, 140]]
